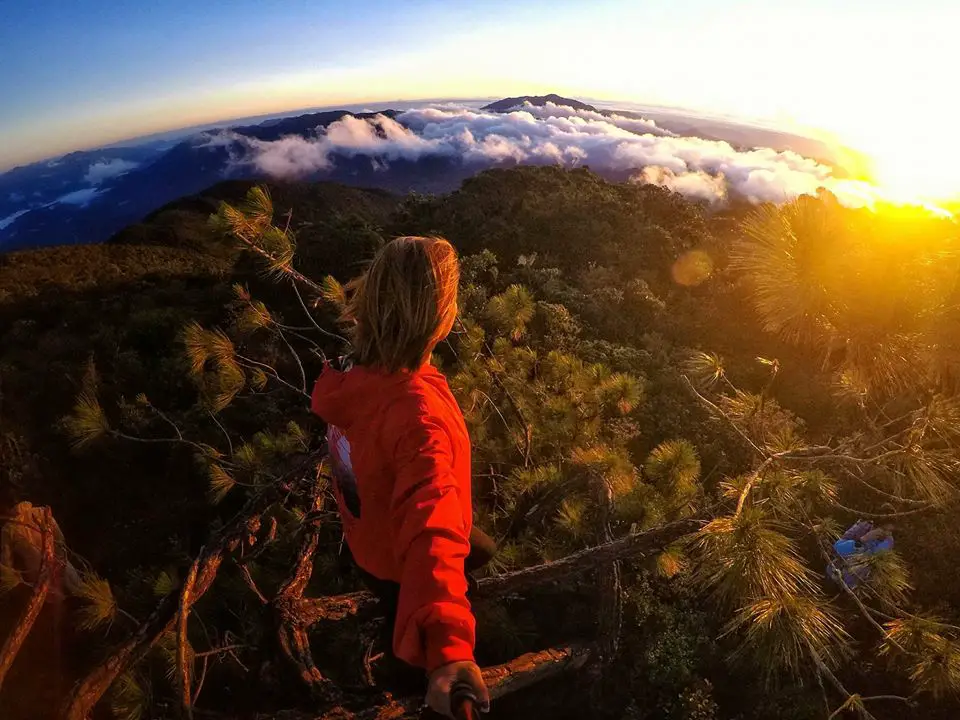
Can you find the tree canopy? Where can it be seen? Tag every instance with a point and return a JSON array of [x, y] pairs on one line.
[[674, 416]]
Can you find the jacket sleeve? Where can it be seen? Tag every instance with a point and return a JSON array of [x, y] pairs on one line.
[[435, 625]]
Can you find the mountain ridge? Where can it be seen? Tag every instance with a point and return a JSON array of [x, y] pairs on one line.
[[507, 104]]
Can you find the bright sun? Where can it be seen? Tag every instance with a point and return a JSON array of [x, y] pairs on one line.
[[915, 162], [923, 170]]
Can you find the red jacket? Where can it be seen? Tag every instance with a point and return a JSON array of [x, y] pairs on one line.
[[401, 465]]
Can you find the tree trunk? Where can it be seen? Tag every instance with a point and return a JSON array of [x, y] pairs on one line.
[[11, 647]]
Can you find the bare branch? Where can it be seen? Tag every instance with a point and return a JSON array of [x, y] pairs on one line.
[[203, 677], [303, 375], [316, 325], [248, 579], [586, 560], [722, 414], [272, 373], [878, 491], [226, 435], [184, 659], [220, 650]]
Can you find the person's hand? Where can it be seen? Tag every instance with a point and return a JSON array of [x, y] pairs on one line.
[[445, 677]]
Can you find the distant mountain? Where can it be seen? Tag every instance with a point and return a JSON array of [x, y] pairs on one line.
[[32, 186], [89, 196], [537, 101]]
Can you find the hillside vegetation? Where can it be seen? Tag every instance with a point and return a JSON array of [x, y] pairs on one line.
[[713, 398]]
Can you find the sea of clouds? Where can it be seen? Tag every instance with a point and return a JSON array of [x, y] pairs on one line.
[[708, 170]]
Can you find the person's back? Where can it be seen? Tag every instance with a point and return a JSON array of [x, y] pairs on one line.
[[401, 458]]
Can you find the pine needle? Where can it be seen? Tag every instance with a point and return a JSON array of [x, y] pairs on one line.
[[88, 422], [10, 578], [221, 483], [675, 468], [670, 562], [705, 369], [100, 606], [129, 697], [166, 583], [511, 311], [332, 293]]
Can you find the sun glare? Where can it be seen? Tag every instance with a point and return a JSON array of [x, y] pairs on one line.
[[911, 161], [919, 170]]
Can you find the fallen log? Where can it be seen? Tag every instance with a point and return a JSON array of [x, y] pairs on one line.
[[337, 607], [518, 674], [586, 560]]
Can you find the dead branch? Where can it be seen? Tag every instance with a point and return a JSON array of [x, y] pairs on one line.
[[886, 516], [586, 560], [526, 670], [11, 647], [336, 607], [184, 658], [609, 586], [248, 579], [849, 698], [291, 614]]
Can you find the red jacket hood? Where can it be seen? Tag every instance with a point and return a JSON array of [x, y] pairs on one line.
[[339, 397]]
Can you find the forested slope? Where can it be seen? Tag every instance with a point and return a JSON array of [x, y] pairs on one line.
[[626, 361]]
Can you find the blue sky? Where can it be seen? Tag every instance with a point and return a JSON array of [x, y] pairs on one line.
[[85, 72]]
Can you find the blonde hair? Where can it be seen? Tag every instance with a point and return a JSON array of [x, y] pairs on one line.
[[404, 304]]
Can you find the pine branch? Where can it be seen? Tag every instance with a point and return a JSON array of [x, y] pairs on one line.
[[723, 415], [609, 586], [586, 560], [252, 364], [163, 441], [888, 516], [303, 375], [220, 650], [316, 325], [878, 491], [828, 674], [203, 676]]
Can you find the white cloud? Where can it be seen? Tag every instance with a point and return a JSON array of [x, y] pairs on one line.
[[636, 125], [10, 219], [696, 167], [15, 197], [105, 169], [81, 198], [698, 185]]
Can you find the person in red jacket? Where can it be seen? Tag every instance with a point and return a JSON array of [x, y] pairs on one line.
[[400, 457]]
